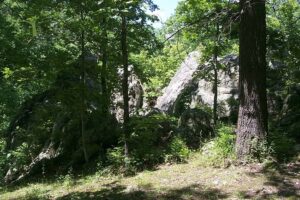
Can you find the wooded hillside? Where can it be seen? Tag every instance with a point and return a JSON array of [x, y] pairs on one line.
[[91, 87]]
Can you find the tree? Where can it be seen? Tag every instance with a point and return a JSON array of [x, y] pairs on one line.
[[252, 120], [134, 16], [104, 56], [82, 81], [125, 82], [208, 24]]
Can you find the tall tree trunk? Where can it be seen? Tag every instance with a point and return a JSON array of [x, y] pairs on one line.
[[105, 95], [83, 106], [252, 120], [215, 86], [125, 84]]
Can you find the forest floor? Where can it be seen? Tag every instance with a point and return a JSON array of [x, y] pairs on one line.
[[188, 181]]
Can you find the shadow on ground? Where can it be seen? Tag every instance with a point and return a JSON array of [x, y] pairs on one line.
[[282, 183], [119, 192]]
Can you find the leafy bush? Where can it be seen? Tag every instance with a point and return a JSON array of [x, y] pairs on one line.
[[150, 138], [221, 149], [260, 151], [68, 179], [3, 159], [21, 155], [195, 126], [115, 158], [225, 141], [282, 145], [178, 151], [16, 160], [151, 142], [279, 146]]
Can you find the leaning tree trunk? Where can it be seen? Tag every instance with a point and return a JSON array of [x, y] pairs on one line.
[[252, 119], [125, 83]]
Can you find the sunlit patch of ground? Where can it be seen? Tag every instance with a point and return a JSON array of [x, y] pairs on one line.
[[188, 181]]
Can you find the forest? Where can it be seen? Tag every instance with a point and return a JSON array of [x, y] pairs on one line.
[[98, 102]]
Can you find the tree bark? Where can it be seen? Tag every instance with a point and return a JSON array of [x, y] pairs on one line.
[[105, 95], [83, 106], [215, 86], [253, 115], [125, 84]]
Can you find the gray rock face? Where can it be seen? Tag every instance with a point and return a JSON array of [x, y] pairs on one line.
[[182, 79], [186, 82], [136, 92], [227, 87]]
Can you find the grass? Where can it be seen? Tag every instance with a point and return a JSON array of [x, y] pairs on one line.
[[189, 181]]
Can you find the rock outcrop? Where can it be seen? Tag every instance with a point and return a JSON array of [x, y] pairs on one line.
[[190, 88], [136, 95], [182, 79]]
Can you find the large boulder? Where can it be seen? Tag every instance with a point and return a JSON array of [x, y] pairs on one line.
[[191, 89], [182, 79], [136, 95], [227, 88]]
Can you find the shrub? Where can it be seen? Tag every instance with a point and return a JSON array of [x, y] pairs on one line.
[[195, 126], [115, 158], [150, 138], [67, 180], [3, 159], [225, 141], [21, 155], [151, 142], [177, 151], [15, 160], [282, 145], [279, 146], [220, 149], [260, 151]]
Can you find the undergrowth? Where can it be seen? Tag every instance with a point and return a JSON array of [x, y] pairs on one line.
[[152, 142], [220, 151]]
